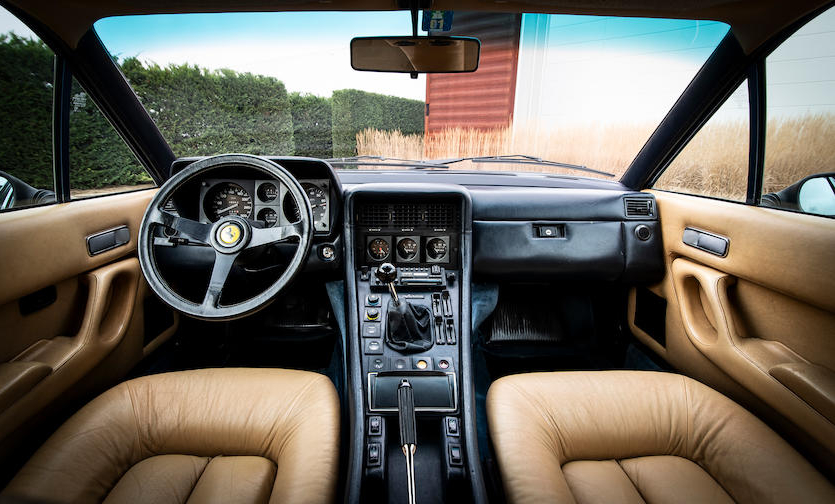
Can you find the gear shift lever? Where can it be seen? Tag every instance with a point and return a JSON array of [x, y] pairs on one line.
[[387, 274], [408, 326]]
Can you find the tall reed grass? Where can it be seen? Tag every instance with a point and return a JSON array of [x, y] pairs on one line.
[[714, 163]]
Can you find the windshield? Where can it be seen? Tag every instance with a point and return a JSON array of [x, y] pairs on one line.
[[578, 91]]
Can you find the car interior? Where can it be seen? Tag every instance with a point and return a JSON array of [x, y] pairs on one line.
[[267, 326]]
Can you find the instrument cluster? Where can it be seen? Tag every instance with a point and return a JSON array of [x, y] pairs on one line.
[[408, 249], [267, 201]]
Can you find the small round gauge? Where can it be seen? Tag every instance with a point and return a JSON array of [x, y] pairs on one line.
[[268, 216], [407, 248], [225, 199], [318, 202], [267, 192], [378, 249], [436, 248]]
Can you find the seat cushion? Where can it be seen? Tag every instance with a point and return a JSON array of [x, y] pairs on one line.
[[212, 435], [633, 436]]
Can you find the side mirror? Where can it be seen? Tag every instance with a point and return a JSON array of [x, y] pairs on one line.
[[816, 195], [415, 54], [6, 193], [812, 195]]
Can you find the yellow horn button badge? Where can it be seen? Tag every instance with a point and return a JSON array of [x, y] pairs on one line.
[[229, 234]]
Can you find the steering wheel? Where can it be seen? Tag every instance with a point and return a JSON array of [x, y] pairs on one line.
[[229, 236]]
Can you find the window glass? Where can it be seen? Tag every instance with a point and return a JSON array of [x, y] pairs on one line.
[[26, 85], [100, 161], [715, 161], [800, 109], [585, 91]]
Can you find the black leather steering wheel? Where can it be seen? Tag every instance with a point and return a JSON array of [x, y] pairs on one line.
[[229, 236]]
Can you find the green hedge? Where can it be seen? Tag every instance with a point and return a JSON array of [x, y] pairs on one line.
[[354, 111], [26, 68], [199, 112], [98, 156], [202, 113], [312, 125]]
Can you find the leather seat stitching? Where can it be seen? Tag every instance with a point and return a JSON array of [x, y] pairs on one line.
[[135, 421], [634, 483], [197, 480]]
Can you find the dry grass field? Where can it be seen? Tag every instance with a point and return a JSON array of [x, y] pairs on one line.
[[714, 163]]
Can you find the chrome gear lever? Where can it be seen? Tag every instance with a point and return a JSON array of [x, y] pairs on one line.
[[408, 434], [386, 273]]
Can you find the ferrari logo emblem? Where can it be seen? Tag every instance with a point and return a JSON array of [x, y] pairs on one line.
[[229, 234]]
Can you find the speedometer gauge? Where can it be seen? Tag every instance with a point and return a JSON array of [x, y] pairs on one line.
[[318, 204], [226, 199]]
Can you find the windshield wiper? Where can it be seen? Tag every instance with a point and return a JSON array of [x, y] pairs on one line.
[[386, 161], [523, 159]]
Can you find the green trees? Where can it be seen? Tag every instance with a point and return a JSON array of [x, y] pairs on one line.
[[199, 112], [26, 110], [355, 110]]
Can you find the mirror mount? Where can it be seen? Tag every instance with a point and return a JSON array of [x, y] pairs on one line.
[[416, 54]]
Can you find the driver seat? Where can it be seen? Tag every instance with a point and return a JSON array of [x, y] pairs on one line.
[[210, 435]]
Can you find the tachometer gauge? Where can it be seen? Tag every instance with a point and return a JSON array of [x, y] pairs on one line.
[[378, 249], [318, 202], [227, 199], [267, 216], [267, 192], [436, 248], [407, 248]]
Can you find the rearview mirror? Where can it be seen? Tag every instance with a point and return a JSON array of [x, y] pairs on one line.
[[415, 54]]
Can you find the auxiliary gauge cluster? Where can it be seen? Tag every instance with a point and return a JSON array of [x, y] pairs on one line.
[[408, 249]]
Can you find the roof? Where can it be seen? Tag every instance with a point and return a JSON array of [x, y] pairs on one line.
[[752, 21]]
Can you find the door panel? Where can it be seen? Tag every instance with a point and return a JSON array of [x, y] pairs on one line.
[[63, 312], [759, 323]]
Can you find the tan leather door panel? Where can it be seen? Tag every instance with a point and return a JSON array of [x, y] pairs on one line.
[[95, 307], [758, 324]]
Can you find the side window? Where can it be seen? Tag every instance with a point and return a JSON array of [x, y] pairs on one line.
[[26, 85], [799, 169], [715, 161], [100, 161]]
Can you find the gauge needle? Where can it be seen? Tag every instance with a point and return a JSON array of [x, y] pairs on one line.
[[230, 207]]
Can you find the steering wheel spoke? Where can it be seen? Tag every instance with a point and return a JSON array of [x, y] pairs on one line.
[[220, 272], [264, 236], [191, 229]]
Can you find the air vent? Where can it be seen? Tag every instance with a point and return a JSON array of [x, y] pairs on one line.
[[408, 215], [639, 207], [374, 216]]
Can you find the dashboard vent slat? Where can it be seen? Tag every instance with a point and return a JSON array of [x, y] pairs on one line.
[[639, 207], [408, 215]]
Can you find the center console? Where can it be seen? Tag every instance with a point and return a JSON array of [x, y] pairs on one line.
[[408, 258]]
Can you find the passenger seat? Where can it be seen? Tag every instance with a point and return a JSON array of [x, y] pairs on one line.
[[633, 436]]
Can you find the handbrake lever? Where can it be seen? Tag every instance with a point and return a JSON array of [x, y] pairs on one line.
[[408, 435]]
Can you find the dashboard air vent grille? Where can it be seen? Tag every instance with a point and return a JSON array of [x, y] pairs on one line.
[[374, 216], [639, 207], [408, 215]]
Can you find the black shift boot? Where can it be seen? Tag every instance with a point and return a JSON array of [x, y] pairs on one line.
[[409, 327]]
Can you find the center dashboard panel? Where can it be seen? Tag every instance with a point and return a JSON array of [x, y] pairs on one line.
[[416, 240]]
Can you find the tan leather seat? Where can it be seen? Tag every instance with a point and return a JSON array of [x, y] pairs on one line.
[[212, 435], [629, 436]]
